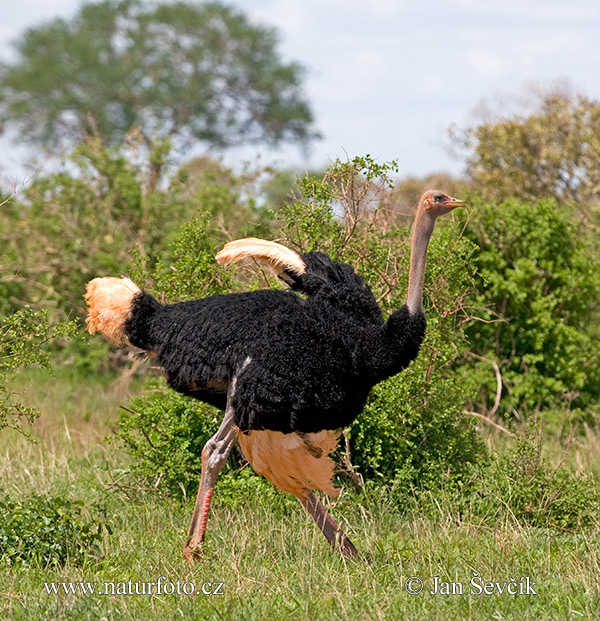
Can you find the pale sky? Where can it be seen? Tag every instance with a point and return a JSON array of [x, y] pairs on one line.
[[388, 77]]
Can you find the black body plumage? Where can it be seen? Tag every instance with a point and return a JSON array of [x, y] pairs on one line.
[[300, 363]]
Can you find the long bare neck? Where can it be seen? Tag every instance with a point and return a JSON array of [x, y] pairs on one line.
[[422, 230]]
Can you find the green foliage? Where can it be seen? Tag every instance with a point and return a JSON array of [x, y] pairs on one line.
[[188, 71], [415, 434], [240, 486], [165, 432], [338, 210], [549, 151], [49, 531], [24, 339], [193, 273], [69, 227], [538, 276]]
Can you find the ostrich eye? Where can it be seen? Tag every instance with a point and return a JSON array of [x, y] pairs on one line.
[[439, 197]]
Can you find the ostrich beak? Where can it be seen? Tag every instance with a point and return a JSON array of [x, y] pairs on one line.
[[453, 202]]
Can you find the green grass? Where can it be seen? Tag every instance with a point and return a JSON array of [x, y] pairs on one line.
[[273, 561]]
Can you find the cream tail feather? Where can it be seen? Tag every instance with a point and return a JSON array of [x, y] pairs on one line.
[[109, 303], [273, 254], [294, 462]]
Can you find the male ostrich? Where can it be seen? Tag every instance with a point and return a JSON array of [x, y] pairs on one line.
[[287, 370]]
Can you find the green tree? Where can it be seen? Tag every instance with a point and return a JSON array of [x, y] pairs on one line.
[[551, 150], [188, 71]]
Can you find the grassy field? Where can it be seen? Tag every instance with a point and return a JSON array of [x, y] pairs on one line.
[[264, 558]]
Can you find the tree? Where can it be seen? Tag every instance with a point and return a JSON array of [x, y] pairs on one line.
[[550, 151], [185, 71]]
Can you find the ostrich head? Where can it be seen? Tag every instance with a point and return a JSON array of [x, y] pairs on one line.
[[432, 205], [437, 203]]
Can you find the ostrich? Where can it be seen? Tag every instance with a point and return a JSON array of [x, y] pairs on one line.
[[288, 371]]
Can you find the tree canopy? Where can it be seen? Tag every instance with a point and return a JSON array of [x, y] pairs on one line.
[[550, 150], [185, 71]]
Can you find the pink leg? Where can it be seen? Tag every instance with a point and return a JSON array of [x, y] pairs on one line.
[[214, 456], [335, 535]]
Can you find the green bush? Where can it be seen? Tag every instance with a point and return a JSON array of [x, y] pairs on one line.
[[165, 432], [537, 275], [49, 531], [193, 271], [415, 435], [548, 147], [69, 227]]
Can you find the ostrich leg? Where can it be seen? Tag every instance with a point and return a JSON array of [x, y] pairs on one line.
[[335, 535], [214, 456]]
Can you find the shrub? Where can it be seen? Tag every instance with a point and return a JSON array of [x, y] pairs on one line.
[[415, 435], [69, 227], [165, 432], [24, 339], [49, 531], [193, 271], [538, 277], [548, 149]]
